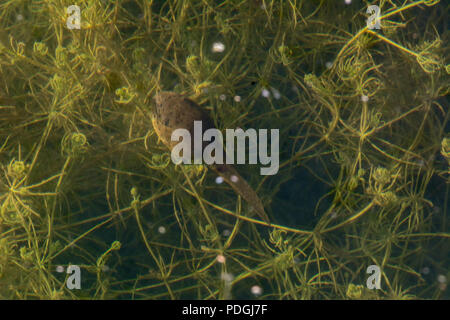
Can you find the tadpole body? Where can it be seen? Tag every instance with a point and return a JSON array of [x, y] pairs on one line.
[[173, 111]]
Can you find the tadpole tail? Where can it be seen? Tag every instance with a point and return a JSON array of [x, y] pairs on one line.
[[239, 185]]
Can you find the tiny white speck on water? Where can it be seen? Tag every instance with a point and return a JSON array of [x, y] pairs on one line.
[[348, 1], [222, 97], [162, 229], [221, 258], [226, 232], [218, 47], [19, 17], [59, 269], [234, 178], [276, 93], [364, 98], [328, 64], [237, 98], [442, 279], [227, 277], [425, 270], [256, 290], [265, 93], [219, 180]]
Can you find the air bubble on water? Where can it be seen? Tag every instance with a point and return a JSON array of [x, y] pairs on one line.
[[276, 93], [256, 290], [219, 180], [234, 178], [221, 258], [442, 279], [237, 98], [348, 1], [59, 269], [425, 270], [226, 232], [222, 97], [265, 93], [364, 98], [218, 47], [328, 64], [19, 17], [162, 229]]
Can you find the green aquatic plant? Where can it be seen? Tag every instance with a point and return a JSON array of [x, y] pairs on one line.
[[364, 150]]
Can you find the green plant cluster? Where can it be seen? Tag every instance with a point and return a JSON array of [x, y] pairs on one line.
[[364, 149]]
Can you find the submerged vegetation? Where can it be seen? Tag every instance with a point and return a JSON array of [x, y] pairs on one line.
[[364, 150]]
